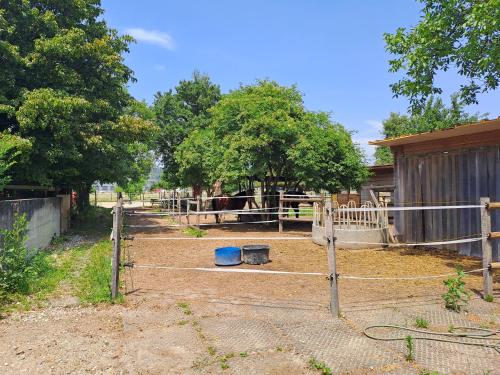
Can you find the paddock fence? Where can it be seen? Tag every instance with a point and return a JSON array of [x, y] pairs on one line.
[[334, 217]]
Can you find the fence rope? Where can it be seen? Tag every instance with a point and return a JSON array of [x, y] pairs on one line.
[[465, 240], [224, 238], [408, 277], [229, 270]]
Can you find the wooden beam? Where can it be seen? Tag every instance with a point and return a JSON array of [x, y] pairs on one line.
[[303, 219], [495, 266], [493, 235], [493, 206]]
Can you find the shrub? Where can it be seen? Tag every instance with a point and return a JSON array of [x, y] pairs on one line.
[[17, 267], [421, 323]]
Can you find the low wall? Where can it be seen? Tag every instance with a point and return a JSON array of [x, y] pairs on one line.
[[351, 238], [43, 215]]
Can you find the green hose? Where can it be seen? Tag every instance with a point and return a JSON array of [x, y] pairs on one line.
[[481, 333]]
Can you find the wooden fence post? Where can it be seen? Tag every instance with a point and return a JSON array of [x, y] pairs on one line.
[[280, 212], [179, 208], [115, 261], [332, 261], [486, 247], [198, 206]]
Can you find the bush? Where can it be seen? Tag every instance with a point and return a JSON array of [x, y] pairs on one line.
[[18, 268]]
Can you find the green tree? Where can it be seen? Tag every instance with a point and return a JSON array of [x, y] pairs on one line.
[[12, 148], [461, 34], [265, 132], [63, 88], [178, 114], [434, 115]]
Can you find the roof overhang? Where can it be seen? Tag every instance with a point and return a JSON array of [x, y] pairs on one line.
[[458, 131]]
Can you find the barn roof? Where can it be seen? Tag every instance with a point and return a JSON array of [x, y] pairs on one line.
[[457, 131]]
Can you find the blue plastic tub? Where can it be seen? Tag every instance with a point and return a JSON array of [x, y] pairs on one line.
[[227, 256]]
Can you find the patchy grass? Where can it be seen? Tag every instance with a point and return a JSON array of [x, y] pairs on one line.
[[195, 232], [421, 323], [244, 354], [314, 364], [93, 284], [185, 308]]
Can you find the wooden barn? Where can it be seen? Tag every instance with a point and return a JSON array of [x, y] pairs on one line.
[[380, 184], [455, 166]]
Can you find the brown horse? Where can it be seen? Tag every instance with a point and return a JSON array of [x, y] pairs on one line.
[[229, 203]]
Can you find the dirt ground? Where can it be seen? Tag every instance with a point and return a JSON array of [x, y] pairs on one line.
[[191, 322]]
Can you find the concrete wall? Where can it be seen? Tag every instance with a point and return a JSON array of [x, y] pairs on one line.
[[43, 215]]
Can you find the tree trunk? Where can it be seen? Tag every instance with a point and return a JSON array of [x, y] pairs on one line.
[[83, 198]]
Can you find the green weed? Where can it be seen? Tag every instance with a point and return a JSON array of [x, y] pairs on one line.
[[427, 372], [195, 232], [211, 350], [456, 296], [421, 323], [410, 355], [314, 364], [243, 354], [488, 298], [182, 322], [185, 308]]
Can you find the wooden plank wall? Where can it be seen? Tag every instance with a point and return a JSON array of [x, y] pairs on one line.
[[454, 178]]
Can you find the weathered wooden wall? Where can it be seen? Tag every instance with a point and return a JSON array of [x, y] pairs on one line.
[[378, 178], [456, 177]]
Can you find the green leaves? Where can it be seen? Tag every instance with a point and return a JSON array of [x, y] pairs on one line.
[[266, 133], [63, 87], [463, 35], [179, 115]]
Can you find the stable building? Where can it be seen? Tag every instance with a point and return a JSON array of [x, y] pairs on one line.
[[454, 166]]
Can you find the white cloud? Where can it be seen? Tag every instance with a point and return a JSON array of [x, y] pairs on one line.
[[375, 124], [159, 67], [158, 38]]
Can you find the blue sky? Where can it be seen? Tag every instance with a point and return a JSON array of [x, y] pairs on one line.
[[333, 50]]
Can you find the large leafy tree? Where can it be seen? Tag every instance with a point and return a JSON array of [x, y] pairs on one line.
[[178, 113], [266, 133], [63, 88], [434, 115], [452, 34]]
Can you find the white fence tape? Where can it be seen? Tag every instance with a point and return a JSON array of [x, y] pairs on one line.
[[229, 270], [223, 238]]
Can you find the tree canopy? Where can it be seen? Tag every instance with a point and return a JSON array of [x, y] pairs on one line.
[[178, 113], [63, 89], [461, 34], [263, 131], [434, 115]]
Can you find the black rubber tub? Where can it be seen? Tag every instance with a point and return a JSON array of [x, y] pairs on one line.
[[255, 254]]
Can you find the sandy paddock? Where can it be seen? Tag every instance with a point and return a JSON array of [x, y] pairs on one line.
[[286, 255]]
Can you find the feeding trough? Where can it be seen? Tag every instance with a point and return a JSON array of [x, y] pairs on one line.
[[255, 254], [227, 256]]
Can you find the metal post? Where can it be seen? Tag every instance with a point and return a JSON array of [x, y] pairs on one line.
[[280, 214], [486, 247], [332, 261], [115, 261]]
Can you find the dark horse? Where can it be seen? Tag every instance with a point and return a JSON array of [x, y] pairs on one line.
[[229, 203], [294, 206]]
